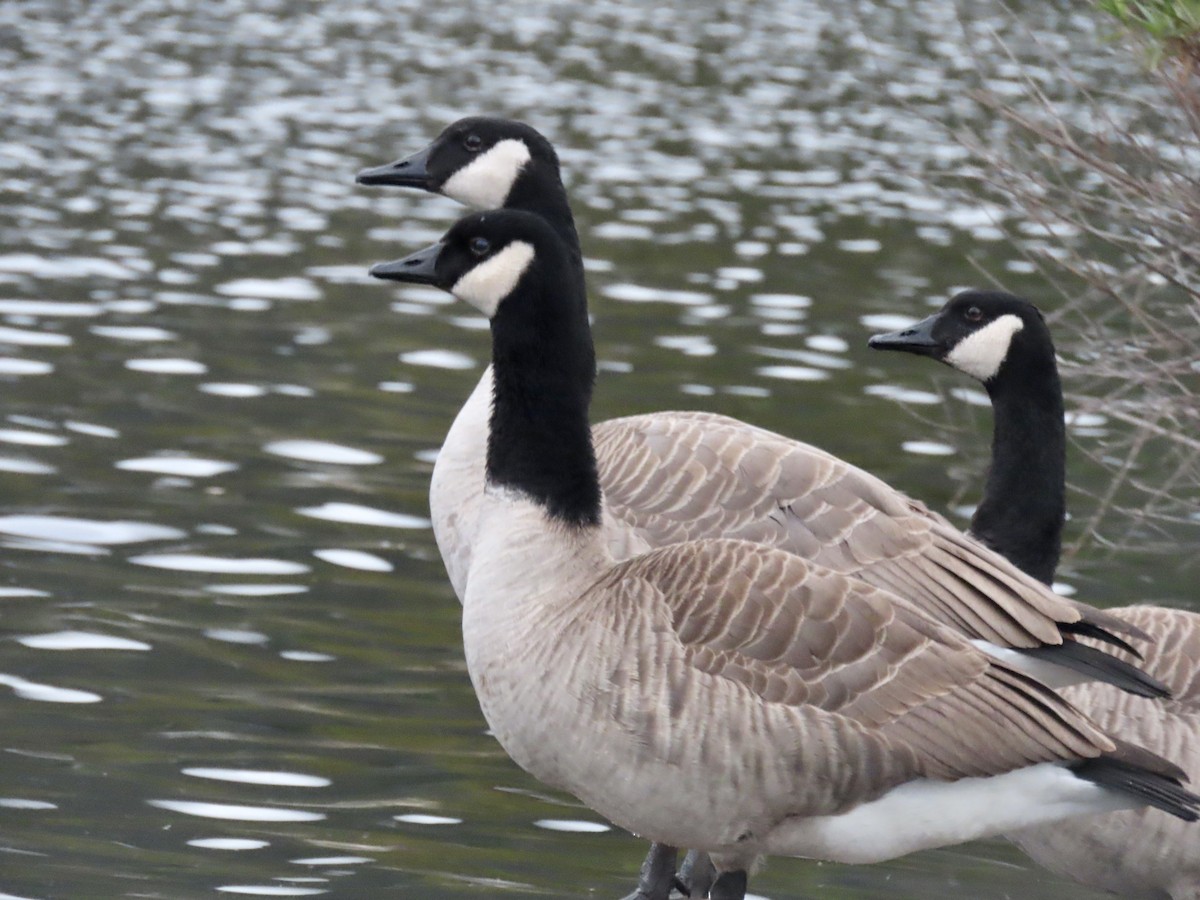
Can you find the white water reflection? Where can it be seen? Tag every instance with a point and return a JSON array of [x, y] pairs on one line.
[[86, 531], [183, 466], [324, 452], [363, 515], [578, 826], [636, 293], [52, 309], [25, 466], [21, 803], [270, 890], [26, 338], [306, 656], [228, 843], [426, 819], [220, 565], [137, 333], [163, 366], [928, 448], [47, 693], [10, 365], [257, 590], [902, 394], [238, 812], [92, 430], [259, 776], [827, 343], [792, 373], [289, 288], [886, 321], [332, 861], [972, 396], [32, 438], [80, 640], [236, 636], [234, 390], [354, 559], [438, 359], [861, 245]]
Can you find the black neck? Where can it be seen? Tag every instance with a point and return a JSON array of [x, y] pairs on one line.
[[539, 189], [544, 365], [1024, 503]]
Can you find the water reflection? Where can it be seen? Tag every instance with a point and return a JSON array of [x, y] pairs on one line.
[[47, 693], [81, 640], [238, 812], [218, 432]]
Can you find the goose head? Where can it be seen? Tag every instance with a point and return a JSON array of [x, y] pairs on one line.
[[497, 261], [477, 161], [985, 334]]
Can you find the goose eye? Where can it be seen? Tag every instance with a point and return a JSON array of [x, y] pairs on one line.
[[973, 314], [473, 142], [480, 245]]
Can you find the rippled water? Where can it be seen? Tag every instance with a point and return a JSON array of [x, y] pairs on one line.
[[232, 661]]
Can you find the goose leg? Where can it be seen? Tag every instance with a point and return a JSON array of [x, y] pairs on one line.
[[658, 874], [729, 886], [696, 874]]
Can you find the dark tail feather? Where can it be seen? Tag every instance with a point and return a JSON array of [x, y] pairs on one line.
[[1103, 625], [1100, 666], [1144, 776], [1100, 633]]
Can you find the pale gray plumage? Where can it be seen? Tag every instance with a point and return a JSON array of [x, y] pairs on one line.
[[1143, 854], [809, 692]]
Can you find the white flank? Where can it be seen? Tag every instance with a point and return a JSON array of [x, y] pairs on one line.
[[923, 814], [981, 353], [485, 182], [494, 278], [1050, 674]]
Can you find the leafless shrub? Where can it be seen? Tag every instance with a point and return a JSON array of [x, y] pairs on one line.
[[1119, 208]]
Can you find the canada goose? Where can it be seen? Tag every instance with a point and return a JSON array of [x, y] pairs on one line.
[[674, 476], [687, 475], [723, 694], [1003, 341]]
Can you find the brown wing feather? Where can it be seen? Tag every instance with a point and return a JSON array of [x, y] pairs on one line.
[[791, 646], [685, 476]]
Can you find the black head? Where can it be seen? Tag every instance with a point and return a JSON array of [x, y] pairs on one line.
[[976, 333], [475, 161], [485, 257]]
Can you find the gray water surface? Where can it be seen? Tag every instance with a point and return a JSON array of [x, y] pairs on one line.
[[230, 660]]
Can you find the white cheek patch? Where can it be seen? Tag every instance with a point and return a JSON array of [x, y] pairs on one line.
[[494, 278], [485, 183], [981, 353]]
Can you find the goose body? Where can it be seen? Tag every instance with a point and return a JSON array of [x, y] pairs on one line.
[[765, 706], [719, 693], [672, 476], [1143, 853]]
